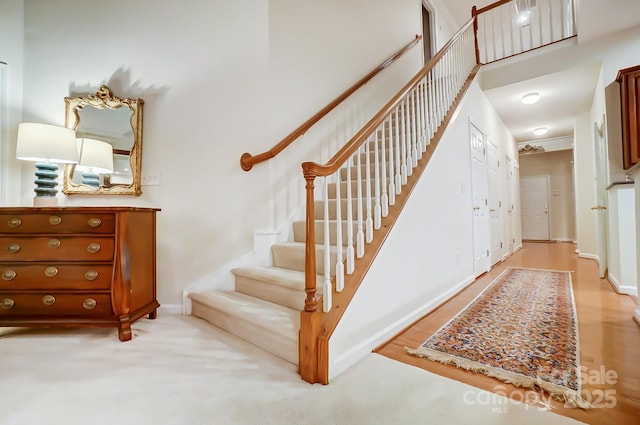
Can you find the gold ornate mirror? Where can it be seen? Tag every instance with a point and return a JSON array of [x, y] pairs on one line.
[[109, 136]]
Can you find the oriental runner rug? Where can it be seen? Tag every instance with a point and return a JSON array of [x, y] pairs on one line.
[[521, 329]]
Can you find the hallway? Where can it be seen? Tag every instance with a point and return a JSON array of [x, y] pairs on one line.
[[609, 338]]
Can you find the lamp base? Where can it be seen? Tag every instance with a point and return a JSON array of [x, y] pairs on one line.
[[45, 201]]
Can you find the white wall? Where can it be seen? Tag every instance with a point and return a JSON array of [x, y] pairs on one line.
[[428, 256], [11, 53], [584, 168], [218, 79], [558, 165], [622, 258]]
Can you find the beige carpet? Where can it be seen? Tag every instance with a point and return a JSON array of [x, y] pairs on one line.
[[182, 371]]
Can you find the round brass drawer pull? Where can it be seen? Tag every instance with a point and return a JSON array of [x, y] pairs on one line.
[[13, 248], [48, 299], [93, 247], [14, 222], [51, 271], [6, 303], [91, 275], [95, 222], [89, 303], [54, 243], [55, 220], [8, 275]]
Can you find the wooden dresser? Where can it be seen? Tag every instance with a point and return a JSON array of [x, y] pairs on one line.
[[77, 266]]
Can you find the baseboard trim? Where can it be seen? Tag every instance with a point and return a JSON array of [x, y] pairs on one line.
[[588, 256], [619, 288], [364, 348], [170, 309]]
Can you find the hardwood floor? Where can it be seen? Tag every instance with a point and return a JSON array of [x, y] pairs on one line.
[[609, 339]]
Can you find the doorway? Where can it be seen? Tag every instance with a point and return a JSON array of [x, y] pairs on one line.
[[480, 194], [534, 197], [601, 194], [427, 16], [494, 202]]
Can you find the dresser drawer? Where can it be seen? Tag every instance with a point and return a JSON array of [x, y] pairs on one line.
[[55, 304], [103, 223], [62, 248], [48, 276]]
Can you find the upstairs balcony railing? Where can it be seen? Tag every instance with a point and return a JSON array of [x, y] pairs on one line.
[[510, 27]]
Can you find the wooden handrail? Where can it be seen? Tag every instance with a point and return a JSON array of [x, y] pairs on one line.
[[247, 161], [489, 7], [313, 169]]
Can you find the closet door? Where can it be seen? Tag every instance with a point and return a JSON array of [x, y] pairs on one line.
[[629, 80]]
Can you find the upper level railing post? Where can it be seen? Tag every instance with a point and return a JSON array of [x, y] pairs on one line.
[[474, 14], [310, 302]]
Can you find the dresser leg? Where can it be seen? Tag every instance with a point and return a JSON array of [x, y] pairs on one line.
[[124, 332], [153, 314]]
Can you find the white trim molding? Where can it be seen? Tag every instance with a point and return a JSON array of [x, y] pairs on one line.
[[358, 352]]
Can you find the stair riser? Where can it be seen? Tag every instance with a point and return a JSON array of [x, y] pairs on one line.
[[300, 232], [277, 344], [294, 258], [273, 293]]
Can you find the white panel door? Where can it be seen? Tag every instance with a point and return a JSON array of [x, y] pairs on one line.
[[534, 193], [509, 203], [601, 196], [479, 189], [494, 202]]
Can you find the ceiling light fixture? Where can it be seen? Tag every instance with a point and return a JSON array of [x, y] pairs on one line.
[[540, 131], [530, 98]]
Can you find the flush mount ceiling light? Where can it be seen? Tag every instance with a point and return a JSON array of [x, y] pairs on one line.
[[530, 98], [540, 131]]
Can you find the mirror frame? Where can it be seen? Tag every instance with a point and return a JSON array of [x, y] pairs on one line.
[[104, 99]]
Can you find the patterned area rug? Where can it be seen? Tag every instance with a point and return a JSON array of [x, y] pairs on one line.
[[522, 329]]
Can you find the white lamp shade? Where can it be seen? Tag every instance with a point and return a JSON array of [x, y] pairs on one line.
[[46, 143], [95, 156]]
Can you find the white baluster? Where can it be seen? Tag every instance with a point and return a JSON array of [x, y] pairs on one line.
[[350, 249], [339, 259], [398, 151], [403, 142], [369, 219], [384, 198], [432, 104], [326, 285], [377, 209], [392, 177], [360, 234], [414, 129]]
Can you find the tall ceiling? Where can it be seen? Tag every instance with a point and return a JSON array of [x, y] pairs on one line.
[[564, 94]]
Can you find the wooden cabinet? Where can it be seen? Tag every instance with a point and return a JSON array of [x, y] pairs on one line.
[[77, 266], [629, 80]]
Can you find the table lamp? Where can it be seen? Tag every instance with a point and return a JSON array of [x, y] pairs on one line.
[[95, 157], [47, 145]]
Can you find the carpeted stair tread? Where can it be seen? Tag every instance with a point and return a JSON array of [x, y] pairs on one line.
[[279, 276], [291, 255], [272, 317]]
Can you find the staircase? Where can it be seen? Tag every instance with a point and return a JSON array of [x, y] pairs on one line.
[[264, 308]]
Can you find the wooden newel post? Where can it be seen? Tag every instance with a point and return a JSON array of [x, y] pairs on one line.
[[310, 302], [474, 14]]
